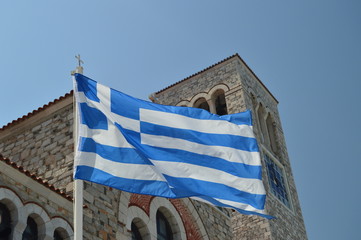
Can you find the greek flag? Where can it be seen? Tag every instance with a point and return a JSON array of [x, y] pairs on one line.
[[166, 151]]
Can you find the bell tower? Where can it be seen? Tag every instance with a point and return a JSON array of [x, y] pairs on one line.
[[230, 86]]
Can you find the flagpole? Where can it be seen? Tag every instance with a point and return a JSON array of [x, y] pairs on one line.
[[78, 184], [78, 209]]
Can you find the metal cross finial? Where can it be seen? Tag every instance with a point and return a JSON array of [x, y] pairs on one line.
[[79, 60]]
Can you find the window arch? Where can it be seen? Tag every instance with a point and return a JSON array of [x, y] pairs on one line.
[[201, 103], [135, 232], [31, 230], [261, 122], [61, 229], [164, 231], [139, 230], [171, 214], [60, 234], [271, 133], [41, 219], [220, 102], [5, 222]]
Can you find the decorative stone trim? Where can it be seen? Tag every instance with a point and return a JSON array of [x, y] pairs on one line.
[[20, 212], [140, 219], [173, 217]]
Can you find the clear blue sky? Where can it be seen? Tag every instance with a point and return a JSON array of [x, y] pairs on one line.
[[308, 53]]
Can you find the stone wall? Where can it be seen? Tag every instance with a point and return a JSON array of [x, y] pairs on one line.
[[43, 146]]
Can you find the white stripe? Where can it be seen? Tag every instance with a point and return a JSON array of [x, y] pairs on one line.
[[103, 94], [111, 137], [186, 170], [226, 153], [232, 204], [200, 125], [123, 170]]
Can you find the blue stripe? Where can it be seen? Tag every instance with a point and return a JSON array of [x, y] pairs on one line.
[[216, 190], [87, 86], [130, 155], [211, 139], [92, 117], [115, 154]]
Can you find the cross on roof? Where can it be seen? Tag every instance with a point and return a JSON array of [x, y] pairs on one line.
[[79, 60]]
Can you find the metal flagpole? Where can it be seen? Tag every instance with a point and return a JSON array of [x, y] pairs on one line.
[[78, 184]]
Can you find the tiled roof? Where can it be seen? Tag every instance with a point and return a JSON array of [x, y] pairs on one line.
[[220, 62], [33, 176], [40, 109]]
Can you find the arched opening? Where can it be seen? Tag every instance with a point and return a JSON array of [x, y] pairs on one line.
[[262, 124], [271, 133], [139, 230], [5, 222], [135, 232], [220, 102], [60, 234], [164, 231], [201, 103], [31, 230]]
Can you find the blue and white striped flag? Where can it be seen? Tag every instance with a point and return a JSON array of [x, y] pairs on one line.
[[167, 151]]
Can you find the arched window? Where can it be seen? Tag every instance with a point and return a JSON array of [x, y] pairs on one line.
[[202, 103], [5, 222], [220, 103], [60, 234], [31, 230], [135, 232], [164, 232], [57, 235], [271, 133], [262, 124]]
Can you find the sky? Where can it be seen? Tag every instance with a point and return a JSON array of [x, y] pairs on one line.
[[307, 53]]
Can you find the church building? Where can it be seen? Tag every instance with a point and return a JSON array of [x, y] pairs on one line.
[[36, 173]]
